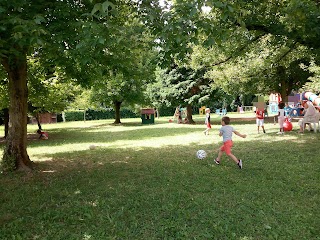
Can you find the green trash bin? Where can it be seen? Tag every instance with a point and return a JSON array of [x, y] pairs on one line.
[[147, 115]]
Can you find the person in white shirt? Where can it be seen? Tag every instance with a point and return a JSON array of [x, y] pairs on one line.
[[310, 115], [281, 117]]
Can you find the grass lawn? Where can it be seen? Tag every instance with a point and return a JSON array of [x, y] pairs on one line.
[[145, 182]]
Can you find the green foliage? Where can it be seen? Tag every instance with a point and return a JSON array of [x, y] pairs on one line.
[[231, 48], [101, 10], [126, 62], [245, 43], [49, 90], [7, 163], [180, 86], [92, 114], [314, 84], [74, 115], [109, 114], [261, 66]]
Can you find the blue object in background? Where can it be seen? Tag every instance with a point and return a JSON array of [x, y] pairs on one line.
[[287, 111], [295, 112], [273, 108]]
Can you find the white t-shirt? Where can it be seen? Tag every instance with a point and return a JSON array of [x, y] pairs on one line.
[[310, 111], [281, 113]]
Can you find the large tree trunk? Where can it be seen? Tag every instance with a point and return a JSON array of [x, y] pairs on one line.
[[117, 106], [6, 121], [189, 114], [15, 154], [285, 86], [283, 90]]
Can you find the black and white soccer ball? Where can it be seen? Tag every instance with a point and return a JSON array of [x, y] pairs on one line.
[[201, 154]]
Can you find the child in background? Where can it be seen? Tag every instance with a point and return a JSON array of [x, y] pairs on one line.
[[287, 110], [226, 132], [260, 119], [207, 122], [43, 135], [178, 115], [281, 117]]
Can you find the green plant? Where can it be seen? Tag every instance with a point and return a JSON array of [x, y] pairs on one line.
[[7, 164]]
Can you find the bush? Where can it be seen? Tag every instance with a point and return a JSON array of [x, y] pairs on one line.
[[91, 114], [74, 116]]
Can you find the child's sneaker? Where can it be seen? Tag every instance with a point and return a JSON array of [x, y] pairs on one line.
[[217, 162], [264, 131], [240, 164]]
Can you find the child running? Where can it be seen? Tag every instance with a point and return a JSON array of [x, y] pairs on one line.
[[207, 122], [226, 132]]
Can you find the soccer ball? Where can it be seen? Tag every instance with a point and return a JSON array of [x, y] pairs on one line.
[[92, 147], [201, 154]]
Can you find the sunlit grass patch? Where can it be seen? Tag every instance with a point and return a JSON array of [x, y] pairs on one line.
[[145, 182]]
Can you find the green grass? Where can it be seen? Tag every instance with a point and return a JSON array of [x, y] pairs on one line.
[[145, 182]]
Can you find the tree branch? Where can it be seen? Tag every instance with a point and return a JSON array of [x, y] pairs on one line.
[[291, 48], [239, 50], [310, 42]]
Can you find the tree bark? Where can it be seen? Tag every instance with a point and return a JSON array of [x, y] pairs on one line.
[[284, 87], [15, 156], [189, 114], [38, 121], [6, 122], [117, 106]]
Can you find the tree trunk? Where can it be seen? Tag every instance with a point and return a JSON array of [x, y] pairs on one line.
[[6, 121], [38, 121], [283, 91], [284, 85], [117, 106], [189, 114], [15, 156]]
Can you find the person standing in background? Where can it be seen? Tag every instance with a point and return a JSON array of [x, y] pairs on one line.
[[207, 122], [260, 119]]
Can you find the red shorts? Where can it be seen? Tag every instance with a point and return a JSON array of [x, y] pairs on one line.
[[226, 147], [208, 125]]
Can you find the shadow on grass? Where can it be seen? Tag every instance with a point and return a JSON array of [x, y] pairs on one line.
[[166, 192], [126, 131], [258, 149]]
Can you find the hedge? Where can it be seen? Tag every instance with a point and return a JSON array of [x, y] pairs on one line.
[[91, 114], [109, 113]]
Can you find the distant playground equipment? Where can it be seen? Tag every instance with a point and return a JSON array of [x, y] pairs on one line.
[[221, 112], [311, 97], [147, 115], [274, 99], [244, 109], [202, 110]]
